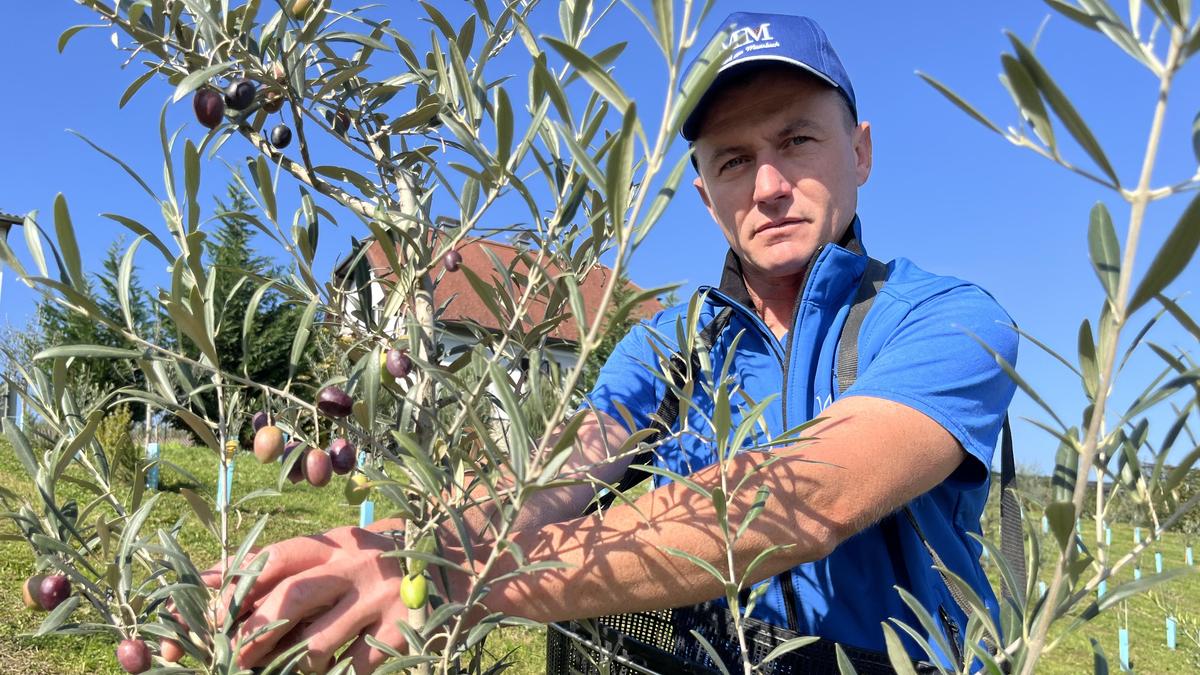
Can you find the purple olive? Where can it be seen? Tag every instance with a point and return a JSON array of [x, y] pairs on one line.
[[333, 402], [281, 135], [339, 121], [296, 473], [53, 590], [260, 420], [398, 363], [240, 94], [209, 107], [134, 656], [452, 260], [318, 468], [343, 456]]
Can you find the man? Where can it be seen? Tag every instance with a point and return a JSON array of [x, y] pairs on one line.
[[780, 155]]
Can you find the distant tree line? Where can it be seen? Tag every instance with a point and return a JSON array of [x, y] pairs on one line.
[[239, 271]]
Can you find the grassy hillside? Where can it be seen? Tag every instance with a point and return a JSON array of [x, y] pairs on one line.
[[303, 510]]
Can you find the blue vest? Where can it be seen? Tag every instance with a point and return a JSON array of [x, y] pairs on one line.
[[919, 346]]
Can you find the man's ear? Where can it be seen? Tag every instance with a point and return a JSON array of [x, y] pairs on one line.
[[699, 183], [862, 152]]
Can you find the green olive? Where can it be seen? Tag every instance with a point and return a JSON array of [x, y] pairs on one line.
[[414, 591]]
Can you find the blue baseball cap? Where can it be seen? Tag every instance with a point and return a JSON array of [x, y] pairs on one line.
[[773, 38]]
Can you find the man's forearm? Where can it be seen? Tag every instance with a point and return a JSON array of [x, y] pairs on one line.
[[623, 564], [820, 493]]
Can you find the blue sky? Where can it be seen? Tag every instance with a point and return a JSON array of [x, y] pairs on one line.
[[944, 191]]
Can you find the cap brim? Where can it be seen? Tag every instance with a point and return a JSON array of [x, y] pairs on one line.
[[691, 126]]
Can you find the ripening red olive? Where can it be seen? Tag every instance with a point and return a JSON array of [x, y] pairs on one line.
[[53, 590], [209, 107], [134, 656], [452, 260], [333, 402], [342, 456], [281, 136], [272, 101], [268, 444], [317, 468], [170, 650], [240, 94], [30, 592]]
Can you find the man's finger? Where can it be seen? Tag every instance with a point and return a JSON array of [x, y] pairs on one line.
[[366, 658], [294, 601], [333, 630], [285, 560], [213, 575], [289, 640]]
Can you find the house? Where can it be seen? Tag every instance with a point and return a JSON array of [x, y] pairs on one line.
[[465, 311]]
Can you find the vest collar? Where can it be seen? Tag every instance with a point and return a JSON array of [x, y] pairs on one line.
[[734, 285]]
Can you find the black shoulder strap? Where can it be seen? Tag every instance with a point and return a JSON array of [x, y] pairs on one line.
[[668, 409], [1011, 537]]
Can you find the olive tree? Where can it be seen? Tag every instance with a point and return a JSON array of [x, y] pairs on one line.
[[420, 140], [1160, 35], [422, 158]]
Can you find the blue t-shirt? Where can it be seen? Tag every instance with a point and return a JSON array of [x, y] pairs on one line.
[[921, 345]]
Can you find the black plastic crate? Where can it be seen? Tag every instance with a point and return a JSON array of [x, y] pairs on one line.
[[661, 643]]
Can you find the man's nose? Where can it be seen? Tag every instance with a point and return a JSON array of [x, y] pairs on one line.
[[770, 184]]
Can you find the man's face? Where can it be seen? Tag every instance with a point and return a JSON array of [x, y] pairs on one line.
[[779, 168]]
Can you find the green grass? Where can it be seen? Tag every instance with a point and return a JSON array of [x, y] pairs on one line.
[[304, 510], [1145, 621]]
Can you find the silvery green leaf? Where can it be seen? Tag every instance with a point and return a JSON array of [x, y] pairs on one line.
[[1063, 107], [86, 351], [1087, 360], [1104, 249], [698, 562], [1099, 660], [845, 667], [698, 79], [58, 617], [1172, 258], [73, 273], [897, 654], [1196, 131], [926, 620], [712, 653], [1027, 98], [303, 330], [1073, 13], [194, 80], [960, 102], [591, 71]]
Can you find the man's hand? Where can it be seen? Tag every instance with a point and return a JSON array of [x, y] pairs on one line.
[[332, 588], [336, 587]]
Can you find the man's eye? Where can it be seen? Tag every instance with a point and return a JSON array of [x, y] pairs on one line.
[[736, 161], [799, 140]]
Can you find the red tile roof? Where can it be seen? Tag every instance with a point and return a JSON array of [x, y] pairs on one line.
[[465, 304]]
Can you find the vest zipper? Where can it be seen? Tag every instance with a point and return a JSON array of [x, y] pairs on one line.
[[790, 601], [951, 629], [789, 593]]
